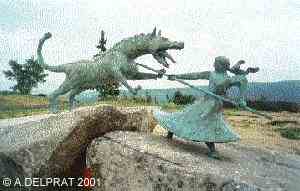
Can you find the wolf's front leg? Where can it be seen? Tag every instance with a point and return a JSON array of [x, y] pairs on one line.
[[124, 82], [53, 105], [72, 100], [146, 76], [53, 102], [53, 98], [134, 91]]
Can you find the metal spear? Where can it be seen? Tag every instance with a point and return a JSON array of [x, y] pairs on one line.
[[211, 94]]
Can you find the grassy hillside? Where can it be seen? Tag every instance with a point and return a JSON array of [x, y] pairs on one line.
[[11, 102], [24, 105], [282, 133]]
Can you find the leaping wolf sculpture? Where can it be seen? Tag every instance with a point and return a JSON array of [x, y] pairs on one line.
[[117, 63]]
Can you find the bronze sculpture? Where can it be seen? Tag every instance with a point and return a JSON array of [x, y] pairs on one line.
[[203, 121], [117, 63]]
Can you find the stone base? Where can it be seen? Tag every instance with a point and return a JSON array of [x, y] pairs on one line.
[[55, 145], [138, 161]]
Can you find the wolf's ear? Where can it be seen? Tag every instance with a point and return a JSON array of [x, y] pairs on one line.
[[153, 34], [159, 33]]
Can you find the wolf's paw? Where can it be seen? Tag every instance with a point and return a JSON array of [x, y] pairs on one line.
[[161, 73]]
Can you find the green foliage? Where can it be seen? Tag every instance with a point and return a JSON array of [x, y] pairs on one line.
[[16, 105], [109, 88], [290, 133], [26, 75], [262, 98], [287, 128], [181, 99], [101, 44]]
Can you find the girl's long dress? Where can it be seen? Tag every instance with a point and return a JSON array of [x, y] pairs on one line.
[[202, 121]]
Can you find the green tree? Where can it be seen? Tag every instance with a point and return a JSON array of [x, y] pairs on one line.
[[26, 75], [109, 87], [101, 44]]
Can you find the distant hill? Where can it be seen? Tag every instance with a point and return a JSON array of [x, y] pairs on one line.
[[286, 91]]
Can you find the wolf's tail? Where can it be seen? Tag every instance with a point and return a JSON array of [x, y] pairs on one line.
[[40, 58]]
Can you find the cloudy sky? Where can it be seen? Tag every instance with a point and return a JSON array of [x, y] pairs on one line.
[[265, 33]]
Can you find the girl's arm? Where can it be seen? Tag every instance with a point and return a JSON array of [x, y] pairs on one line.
[[191, 76]]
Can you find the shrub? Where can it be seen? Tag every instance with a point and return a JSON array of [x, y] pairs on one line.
[[181, 99], [290, 133]]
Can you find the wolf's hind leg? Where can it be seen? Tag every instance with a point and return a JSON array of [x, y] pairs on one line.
[[63, 88], [124, 82], [134, 91], [72, 100]]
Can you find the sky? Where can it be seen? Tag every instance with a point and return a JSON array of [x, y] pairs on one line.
[[265, 33]]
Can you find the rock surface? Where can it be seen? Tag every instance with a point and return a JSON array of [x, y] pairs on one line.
[[55, 145], [10, 169], [138, 161]]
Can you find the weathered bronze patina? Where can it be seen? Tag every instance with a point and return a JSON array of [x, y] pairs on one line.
[[203, 121], [117, 63]]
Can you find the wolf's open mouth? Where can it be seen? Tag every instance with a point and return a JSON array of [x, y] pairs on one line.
[[161, 57]]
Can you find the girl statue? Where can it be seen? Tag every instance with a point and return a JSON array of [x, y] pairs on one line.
[[203, 121]]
